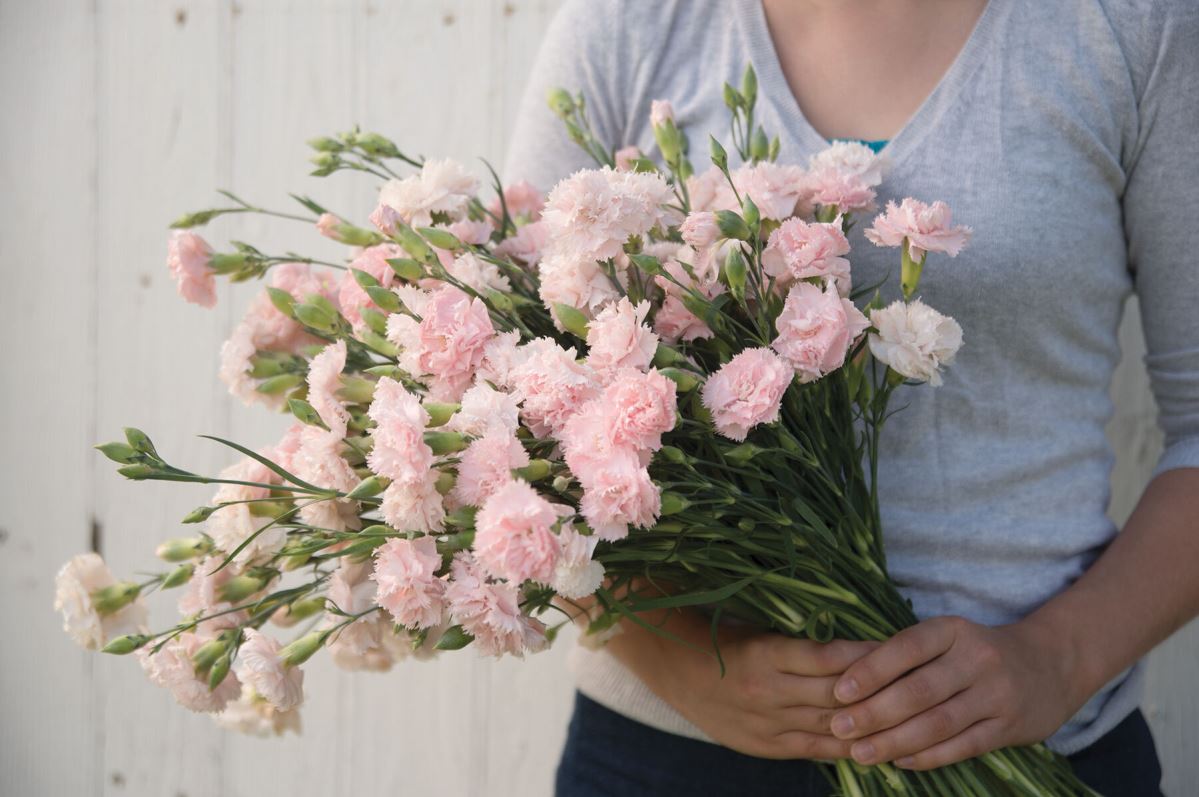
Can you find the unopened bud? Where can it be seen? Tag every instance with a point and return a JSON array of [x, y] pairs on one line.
[[673, 503], [648, 264], [440, 412], [207, 654], [305, 413], [441, 239], [140, 441], [732, 225], [137, 472], [685, 381], [444, 483], [673, 455], [750, 212], [219, 670], [283, 301], [445, 442], [113, 598], [734, 273], [241, 587], [720, 158], [301, 650], [406, 268], [369, 488], [181, 549], [122, 453], [126, 644], [179, 576], [743, 453], [356, 390], [277, 385], [536, 470], [199, 514], [560, 102], [571, 319], [561, 484]]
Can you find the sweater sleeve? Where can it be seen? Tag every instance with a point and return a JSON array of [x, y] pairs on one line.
[[1161, 209], [582, 53]]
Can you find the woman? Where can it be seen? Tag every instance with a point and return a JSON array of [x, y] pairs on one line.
[[1063, 132]]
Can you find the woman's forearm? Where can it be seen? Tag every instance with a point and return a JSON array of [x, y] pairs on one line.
[[1141, 589]]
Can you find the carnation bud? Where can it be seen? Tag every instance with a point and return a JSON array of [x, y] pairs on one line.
[[749, 86], [196, 219], [122, 453], [673, 455], [181, 549], [123, 645], [413, 244], [113, 598], [207, 654], [356, 390], [773, 153], [440, 412], [376, 342], [759, 145], [301, 650], [673, 503], [648, 264], [140, 441], [686, 381], [292, 613], [376, 530], [746, 524], [375, 321], [665, 355], [325, 144], [137, 472], [406, 268], [384, 298], [179, 576], [731, 98], [536, 470], [560, 102], [241, 587], [753, 217], [743, 453], [219, 670], [444, 483], [732, 225], [369, 488], [377, 145], [445, 442], [311, 314], [910, 270], [284, 302], [442, 239], [720, 158], [390, 371], [734, 274], [198, 515], [561, 484], [571, 319], [305, 413], [279, 384]]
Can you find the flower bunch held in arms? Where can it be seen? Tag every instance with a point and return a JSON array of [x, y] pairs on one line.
[[653, 388]]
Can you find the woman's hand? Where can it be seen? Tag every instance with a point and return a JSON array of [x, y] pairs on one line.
[[948, 689], [775, 699]]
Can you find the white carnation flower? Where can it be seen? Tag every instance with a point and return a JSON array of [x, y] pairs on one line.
[[74, 590], [914, 339]]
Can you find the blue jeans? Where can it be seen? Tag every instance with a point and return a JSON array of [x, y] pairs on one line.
[[609, 755]]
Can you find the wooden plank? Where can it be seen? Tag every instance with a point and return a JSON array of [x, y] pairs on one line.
[[162, 87], [48, 207]]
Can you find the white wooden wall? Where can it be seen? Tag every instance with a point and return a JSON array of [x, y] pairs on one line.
[[119, 114]]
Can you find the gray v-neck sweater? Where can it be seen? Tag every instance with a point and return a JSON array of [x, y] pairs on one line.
[[1065, 134]]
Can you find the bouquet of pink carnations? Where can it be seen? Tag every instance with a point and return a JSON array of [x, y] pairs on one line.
[[650, 390]]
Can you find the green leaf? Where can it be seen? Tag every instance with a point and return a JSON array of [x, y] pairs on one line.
[[454, 638]]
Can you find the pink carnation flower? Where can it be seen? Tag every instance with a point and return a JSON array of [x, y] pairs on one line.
[[441, 186], [551, 385], [710, 190], [477, 273], [319, 461], [74, 586], [414, 505], [834, 188], [816, 329], [399, 451], [619, 493], [232, 525], [593, 212], [449, 342], [500, 356], [201, 596], [471, 231], [514, 537], [747, 391], [526, 245], [523, 199], [408, 586], [485, 410], [491, 612], [327, 225], [641, 408], [251, 715], [324, 380], [798, 250], [373, 260], [927, 228], [486, 466], [660, 112], [576, 282], [625, 156], [576, 575], [363, 644], [619, 338], [188, 258], [775, 188], [851, 158], [172, 669], [699, 229], [258, 666]]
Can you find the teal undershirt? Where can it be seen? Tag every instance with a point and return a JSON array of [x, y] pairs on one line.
[[876, 146]]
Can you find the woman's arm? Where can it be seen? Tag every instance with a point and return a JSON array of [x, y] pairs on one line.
[[972, 688]]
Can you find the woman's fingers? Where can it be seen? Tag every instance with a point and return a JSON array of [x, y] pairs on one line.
[[808, 658], [979, 738], [905, 651], [916, 692], [923, 731], [811, 746]]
